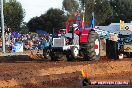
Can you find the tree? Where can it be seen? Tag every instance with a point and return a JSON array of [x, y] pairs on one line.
[[13, 14], [70, 6], [34, 24], [52, 19], [101, 8], [103, 11], [24, 28], [122, 10]]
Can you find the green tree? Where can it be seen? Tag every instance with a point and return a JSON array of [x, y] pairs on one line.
[[34, 24], [103, 11], [122, 10], [101, 8], [52, 19], [70, 5], [24, 28], [13, 14]]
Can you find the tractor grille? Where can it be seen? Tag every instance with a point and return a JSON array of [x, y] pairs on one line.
[[58, 42]]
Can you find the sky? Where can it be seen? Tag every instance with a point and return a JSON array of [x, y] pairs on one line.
[[35, 8]]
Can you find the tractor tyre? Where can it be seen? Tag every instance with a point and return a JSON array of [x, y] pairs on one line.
[[129, 54], [74, 52], [53, 56], [46, 53], [112, 49], [61, 57], [49, 54], [57, 56], [93, 46], [69, 55], [108, 48]]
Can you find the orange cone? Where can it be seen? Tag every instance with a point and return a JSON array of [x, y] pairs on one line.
[[84, 74]]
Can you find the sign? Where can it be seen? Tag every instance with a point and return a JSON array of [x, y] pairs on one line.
[[128, 27], [17, 47], [122, 26]]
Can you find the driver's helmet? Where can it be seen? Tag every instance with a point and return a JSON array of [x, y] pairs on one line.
[[75, 26]]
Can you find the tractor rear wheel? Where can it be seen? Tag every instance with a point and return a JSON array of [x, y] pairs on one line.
[[93, 46], [112, 49], [129, 54]]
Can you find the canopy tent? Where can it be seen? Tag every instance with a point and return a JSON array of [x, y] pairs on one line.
[[15, 34], [40, 31]]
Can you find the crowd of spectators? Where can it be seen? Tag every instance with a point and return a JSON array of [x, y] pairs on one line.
[[30, 41]]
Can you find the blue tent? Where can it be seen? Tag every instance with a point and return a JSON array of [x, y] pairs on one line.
[[39, 31], [15, 34]]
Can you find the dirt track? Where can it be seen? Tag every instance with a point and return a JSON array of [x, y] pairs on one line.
[[45, 74]]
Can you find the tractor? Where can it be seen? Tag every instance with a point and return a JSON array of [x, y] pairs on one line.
[[119, 43], [77, 42]]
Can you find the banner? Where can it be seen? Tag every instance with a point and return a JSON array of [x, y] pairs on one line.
[[122, 26], [17, 47]]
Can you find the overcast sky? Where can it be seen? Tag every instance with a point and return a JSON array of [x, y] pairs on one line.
[[37, 7]]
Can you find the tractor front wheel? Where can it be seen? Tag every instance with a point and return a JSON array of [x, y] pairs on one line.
[[72, 54], [46, 53]]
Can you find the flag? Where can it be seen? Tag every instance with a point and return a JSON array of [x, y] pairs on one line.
[[83, 74], [82, 25], [93, 21], [67, 28]]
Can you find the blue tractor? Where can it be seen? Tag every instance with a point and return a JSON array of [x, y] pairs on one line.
[[119, 43]]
